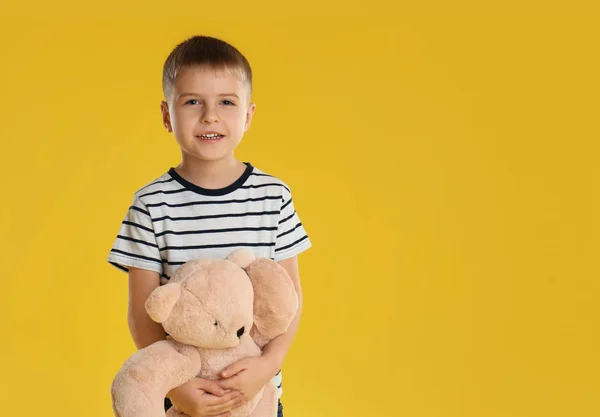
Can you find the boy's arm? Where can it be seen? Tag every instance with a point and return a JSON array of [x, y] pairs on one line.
[[143, 329]]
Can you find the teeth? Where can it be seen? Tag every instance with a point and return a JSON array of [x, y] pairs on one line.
[[211, 136]]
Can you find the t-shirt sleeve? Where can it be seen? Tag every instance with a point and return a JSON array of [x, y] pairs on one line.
[[292, 238], [135, 245]]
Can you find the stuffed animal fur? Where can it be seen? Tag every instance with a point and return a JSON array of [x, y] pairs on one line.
[[216, 311]]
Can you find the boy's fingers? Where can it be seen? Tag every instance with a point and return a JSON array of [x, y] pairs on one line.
[[234, 368], [219, 412], [230, 383], [217, 403], [210, 386], [229, 404], [238, 402]]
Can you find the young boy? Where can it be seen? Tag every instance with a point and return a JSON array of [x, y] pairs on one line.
[[207, 206]]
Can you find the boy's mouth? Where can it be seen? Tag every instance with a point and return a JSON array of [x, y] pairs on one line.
[[210, 136]]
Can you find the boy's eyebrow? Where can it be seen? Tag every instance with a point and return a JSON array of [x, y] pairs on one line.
[[220, 95]]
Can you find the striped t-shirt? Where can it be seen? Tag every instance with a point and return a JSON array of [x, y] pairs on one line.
[[172, 221]]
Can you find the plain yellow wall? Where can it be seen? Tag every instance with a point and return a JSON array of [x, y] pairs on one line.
[[443, 158]]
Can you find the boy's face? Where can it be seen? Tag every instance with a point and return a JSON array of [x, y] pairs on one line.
[[209, 102]]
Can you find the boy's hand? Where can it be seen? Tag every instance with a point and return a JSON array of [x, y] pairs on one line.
[[203, 398], [247, 376]]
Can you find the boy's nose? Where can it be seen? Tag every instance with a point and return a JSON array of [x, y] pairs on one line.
[[209, 120], [209, 116]]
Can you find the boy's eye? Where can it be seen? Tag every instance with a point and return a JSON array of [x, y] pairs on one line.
[[192, 102], [227, 102]]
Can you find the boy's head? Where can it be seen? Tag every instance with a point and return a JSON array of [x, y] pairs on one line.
[[207, 84], [205, 52]]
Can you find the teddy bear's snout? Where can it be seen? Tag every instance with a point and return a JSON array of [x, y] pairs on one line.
[[240, 332]]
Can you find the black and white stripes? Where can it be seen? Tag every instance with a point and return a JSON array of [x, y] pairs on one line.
[[172, 221]]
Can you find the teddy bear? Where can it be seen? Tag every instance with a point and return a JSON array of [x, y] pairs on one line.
[[216, 312]]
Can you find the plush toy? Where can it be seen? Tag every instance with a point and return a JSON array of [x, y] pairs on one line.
[[216, 311]]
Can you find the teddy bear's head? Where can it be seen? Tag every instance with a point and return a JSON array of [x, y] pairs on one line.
[[207, 303], [214, 303]]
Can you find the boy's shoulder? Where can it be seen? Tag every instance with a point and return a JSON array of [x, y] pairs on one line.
[[265, 178], [155, 186]]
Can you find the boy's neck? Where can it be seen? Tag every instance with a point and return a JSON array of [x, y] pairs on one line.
[[211, 174]]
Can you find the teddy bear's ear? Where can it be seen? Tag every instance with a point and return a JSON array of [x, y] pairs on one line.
[[242, 257], [186, 270], [161, 301]]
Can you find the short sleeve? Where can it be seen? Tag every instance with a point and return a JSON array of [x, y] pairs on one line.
[[135, 245], [292, 238]]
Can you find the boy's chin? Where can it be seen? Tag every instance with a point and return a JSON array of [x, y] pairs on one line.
[[208, 154], [205, 157]]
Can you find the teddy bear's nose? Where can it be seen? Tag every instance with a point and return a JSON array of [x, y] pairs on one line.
[[240, 332]]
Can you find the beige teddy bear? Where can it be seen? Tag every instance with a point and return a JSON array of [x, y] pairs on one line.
[[216, 312]]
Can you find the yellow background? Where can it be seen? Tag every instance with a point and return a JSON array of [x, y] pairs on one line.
[[443, 158]]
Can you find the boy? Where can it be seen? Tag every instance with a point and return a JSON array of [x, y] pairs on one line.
[[207, 206]]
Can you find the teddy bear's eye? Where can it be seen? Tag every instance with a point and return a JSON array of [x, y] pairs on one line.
[[216, 324]]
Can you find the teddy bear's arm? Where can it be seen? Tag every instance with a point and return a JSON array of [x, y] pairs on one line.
[[148, 375]]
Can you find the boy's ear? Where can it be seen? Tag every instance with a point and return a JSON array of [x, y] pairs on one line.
[[161, 301], [249, 115], [166, 116]]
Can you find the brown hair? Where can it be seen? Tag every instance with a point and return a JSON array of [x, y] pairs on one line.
[[204, 51]]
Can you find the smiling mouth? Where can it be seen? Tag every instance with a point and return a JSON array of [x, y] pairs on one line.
[[210, 136]]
